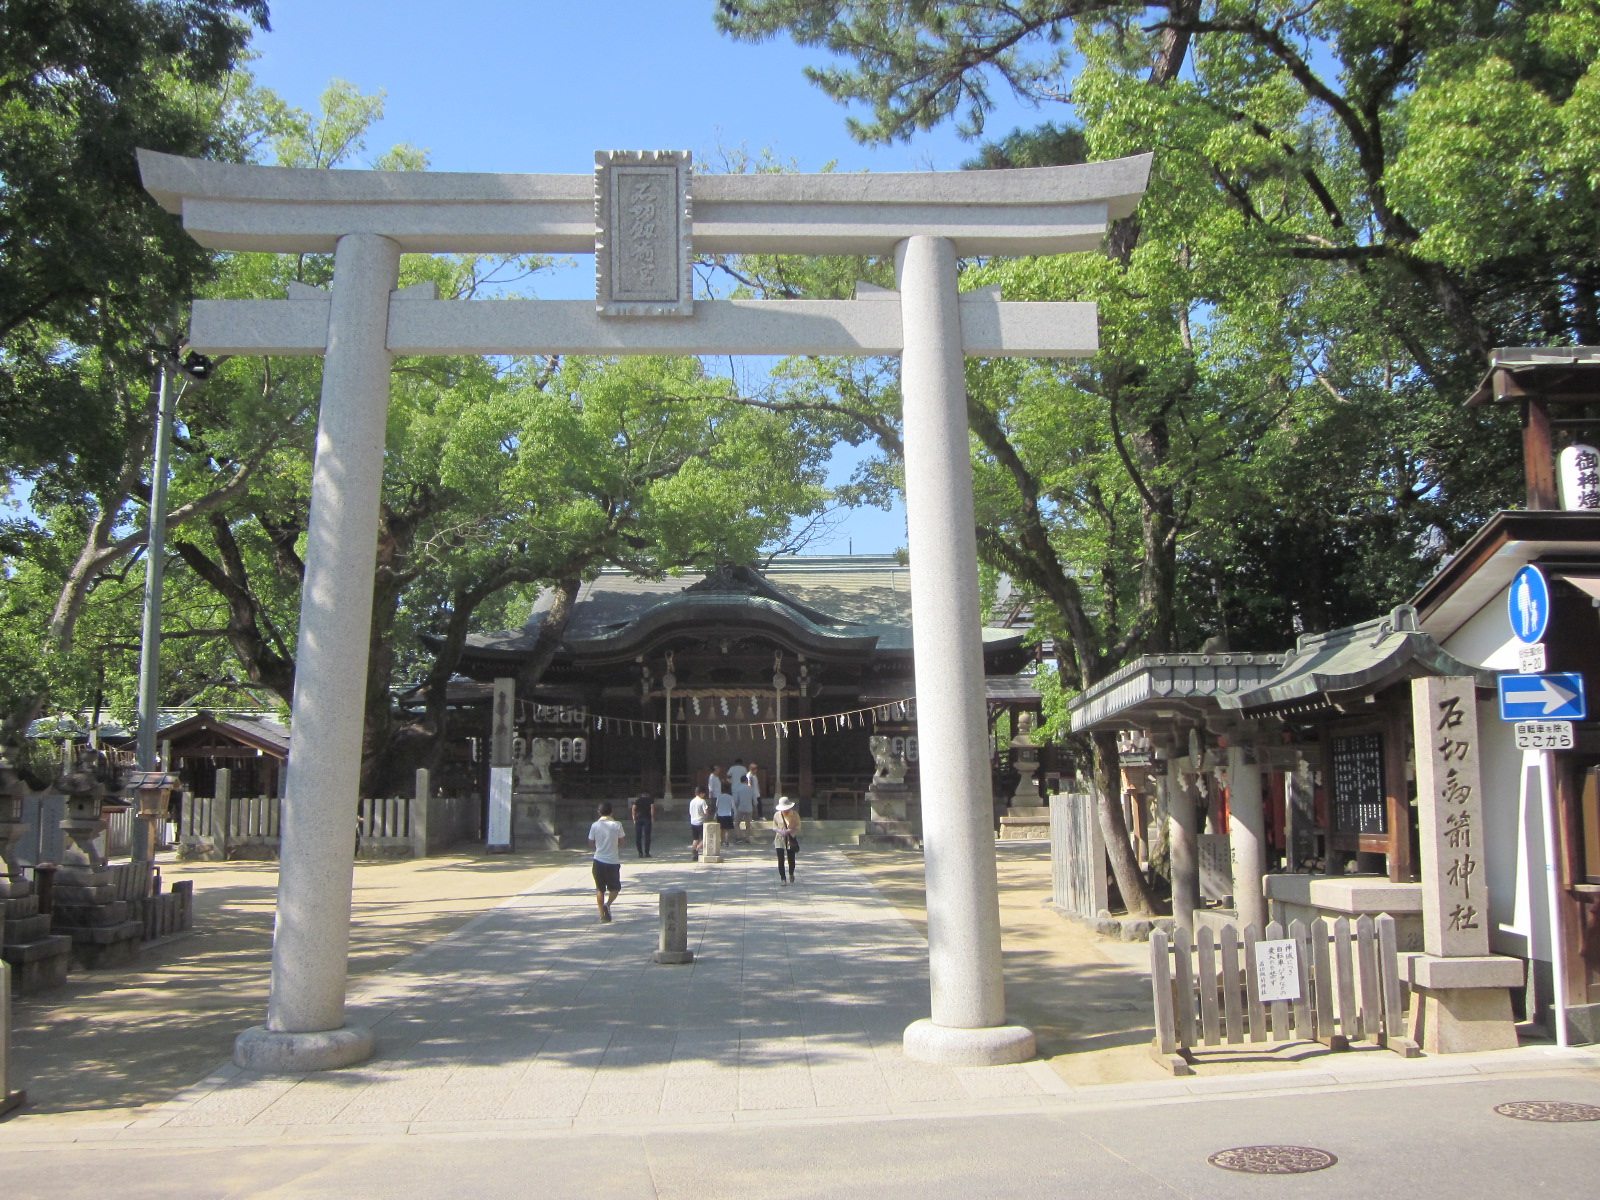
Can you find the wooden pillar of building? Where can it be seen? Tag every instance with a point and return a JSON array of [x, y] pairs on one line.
[[1538, 454], [1398, 855], [803, 751]]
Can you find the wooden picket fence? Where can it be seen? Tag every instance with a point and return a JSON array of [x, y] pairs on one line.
[[1208, 992]]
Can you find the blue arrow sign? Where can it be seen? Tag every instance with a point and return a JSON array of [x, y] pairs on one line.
[[1528, 605], [1556, 697]]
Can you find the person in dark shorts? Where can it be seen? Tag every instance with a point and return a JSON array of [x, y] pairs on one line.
[[605, 835], [644, 821], [699, 814]]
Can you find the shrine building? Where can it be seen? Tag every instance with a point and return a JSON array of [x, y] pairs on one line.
[[794, 665]]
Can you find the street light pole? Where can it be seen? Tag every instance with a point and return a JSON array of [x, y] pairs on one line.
[[154, 572]]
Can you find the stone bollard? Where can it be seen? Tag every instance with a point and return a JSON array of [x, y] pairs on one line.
[[674, 946], [711, 847]]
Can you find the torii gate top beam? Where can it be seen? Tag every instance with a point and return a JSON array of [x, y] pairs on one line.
[[1038, 210]]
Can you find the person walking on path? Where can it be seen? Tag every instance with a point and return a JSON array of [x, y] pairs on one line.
[[752, 778], [644, 822], [605, 835], [699, 810], [785, 837], [744, 808], [714, 783], [725, 815]]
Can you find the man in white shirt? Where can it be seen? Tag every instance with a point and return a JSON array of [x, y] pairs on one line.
[[605, 835], [699, 810]]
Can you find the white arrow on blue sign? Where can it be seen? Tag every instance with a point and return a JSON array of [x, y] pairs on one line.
[[1555, 697], [1528, 605]]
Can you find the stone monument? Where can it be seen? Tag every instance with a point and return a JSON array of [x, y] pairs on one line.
[[711, 840], [674, 947], [38, 957], [891, 819], [536, 818], [1461, 999]]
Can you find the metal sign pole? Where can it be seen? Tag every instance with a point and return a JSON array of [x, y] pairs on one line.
[[1547, 812]]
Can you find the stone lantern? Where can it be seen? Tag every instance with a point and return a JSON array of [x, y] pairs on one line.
[[12, 792], [153, 792], [1025, 760], [105, 929]]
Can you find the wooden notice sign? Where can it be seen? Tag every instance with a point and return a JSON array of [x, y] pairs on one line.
[[1359, 801]]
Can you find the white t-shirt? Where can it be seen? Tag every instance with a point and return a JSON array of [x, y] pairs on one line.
[[736, 775], [698, 808], [713, 784], [606, 834]]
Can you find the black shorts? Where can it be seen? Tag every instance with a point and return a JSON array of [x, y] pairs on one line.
[[725, 821], [694, 831], [608, 876]]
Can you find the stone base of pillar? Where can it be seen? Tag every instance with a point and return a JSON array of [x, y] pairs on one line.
[[1462, 1020], [991, 1046], [672, 958], [535, 823], [271, 1053]]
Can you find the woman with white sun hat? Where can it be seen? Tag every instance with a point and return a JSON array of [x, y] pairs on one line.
[[785, 837]]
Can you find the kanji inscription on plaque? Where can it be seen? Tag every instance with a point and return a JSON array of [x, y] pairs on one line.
[[642, 234]]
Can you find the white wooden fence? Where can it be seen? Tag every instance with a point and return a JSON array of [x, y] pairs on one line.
[[1346, 989], [225, 826]]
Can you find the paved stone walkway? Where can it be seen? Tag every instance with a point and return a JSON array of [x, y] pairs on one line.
[[534, 1012], [533, 1020]]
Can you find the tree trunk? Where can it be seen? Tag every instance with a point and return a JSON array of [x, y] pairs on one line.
[[1119, 846], [551, 631]]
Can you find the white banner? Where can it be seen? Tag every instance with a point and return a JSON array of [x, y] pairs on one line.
[[500, 806]]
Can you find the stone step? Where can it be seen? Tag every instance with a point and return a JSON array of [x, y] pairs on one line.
[[40, 965], [73, 894], [89, 915], [102, 935], [18, 907], [26, 929]]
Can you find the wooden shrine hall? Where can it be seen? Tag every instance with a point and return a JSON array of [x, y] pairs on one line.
[[794, 666]]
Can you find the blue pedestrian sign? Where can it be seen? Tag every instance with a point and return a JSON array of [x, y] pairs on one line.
[[1554, 697], [1528, 605]]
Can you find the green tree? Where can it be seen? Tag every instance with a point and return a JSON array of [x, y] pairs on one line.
[[1272, 436], [89, 264]]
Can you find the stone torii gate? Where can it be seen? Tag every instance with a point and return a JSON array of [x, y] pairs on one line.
[[636, 214]]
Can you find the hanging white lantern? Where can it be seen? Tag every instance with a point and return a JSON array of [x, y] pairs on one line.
[[1578, 471]]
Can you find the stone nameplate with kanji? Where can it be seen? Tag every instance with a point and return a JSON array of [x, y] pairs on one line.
[[1455, 894], [642, 234]]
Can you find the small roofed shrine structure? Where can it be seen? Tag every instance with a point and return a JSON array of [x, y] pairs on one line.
[[1171, 710], [1288, 779], [1343, 703], [254, 747], [792, 668]]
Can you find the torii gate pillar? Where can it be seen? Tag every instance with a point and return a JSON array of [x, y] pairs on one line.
[[968, 1024]]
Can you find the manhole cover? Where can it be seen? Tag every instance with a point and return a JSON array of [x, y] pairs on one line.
[[1273, 1160], [1556, 1111]]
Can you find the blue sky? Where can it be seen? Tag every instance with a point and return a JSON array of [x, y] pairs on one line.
[[496, 85]]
